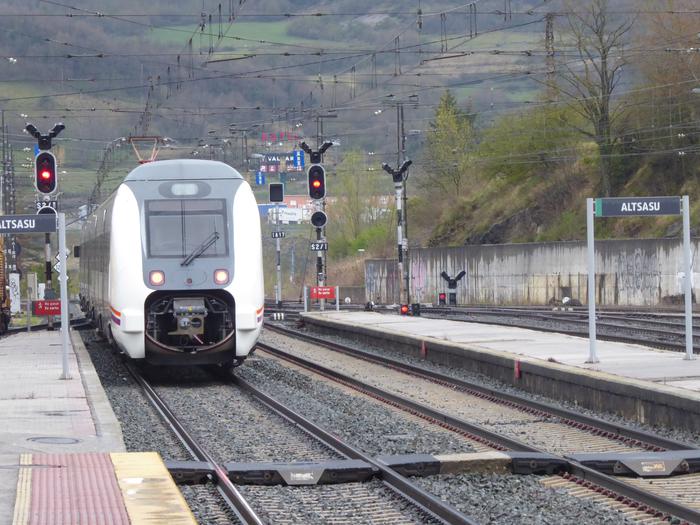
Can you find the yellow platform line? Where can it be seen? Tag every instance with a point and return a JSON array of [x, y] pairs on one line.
[[24, 491], [150, 494]]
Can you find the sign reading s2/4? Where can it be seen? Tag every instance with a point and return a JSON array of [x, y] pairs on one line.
[[631, 206]]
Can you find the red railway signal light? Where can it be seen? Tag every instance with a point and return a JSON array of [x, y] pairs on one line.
[[403, 310], [317, 182], [45, 178]]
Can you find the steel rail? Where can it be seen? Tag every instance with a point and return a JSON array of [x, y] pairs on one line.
[[404, 487], [472, 430], [668, 507], [227, 489], [655, 441]]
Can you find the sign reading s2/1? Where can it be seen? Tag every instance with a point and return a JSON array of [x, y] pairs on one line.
[[47, 204], [320, 246], [631, 206], [322, 292]]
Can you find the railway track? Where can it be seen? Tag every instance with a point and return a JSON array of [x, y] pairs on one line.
[[504, 422], [238, 504], [383, 500]]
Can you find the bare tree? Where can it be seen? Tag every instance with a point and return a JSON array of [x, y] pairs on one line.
[[589, 81]]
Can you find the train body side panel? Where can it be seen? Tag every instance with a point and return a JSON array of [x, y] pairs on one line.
[[127, 291], [94, 269], [247, 286]]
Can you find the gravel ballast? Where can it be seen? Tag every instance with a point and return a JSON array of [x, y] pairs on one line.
[[351, 504], [231, 424], [691, 438], [142, 428], [517, 500], [369, 425]]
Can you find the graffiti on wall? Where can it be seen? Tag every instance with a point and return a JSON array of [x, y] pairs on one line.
[[637, 271], [419, 278]]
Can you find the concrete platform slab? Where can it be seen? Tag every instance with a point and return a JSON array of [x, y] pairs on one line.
[[41, 413], [627, 360]]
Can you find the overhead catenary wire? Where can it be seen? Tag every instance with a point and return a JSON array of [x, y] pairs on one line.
[[454, 84]]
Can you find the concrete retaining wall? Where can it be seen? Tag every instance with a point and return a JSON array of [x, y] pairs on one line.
[[355, 293], [644, 272]]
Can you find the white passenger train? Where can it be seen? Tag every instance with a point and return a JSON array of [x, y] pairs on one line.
[[171, 264]]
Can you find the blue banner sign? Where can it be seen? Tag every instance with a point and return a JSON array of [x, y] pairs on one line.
[[298, 158]]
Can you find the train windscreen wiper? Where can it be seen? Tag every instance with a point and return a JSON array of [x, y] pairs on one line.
[[199, 250]]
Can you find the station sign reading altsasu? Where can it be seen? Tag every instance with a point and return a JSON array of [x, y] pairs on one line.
[[27, 223], [630, 206]]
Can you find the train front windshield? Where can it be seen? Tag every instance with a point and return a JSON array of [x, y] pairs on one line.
[[183, 227]]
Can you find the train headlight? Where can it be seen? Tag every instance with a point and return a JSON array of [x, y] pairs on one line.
[[221, 276], [156, 277]]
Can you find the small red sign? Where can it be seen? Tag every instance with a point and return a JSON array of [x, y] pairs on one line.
[[322, 292], [47, 307]]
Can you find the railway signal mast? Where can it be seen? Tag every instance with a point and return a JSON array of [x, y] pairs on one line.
[[316, 180], [277, 196], [399, 177], [46, 184]]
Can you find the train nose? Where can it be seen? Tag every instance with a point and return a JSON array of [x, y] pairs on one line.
[[190, 322]]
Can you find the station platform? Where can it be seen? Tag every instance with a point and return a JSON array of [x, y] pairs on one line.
[[97, 488], [641, 383], [62, 456]]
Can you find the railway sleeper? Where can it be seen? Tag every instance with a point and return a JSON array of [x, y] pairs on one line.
[[642, 464]]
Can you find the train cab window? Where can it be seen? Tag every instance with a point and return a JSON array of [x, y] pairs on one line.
[[177, 227]]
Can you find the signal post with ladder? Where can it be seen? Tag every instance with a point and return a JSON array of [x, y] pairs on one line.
[[316, 181], [46, 184], [399, 177], [277, 196]]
